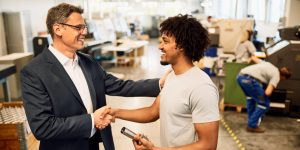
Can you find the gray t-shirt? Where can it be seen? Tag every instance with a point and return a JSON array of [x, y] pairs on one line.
[[186, 99], [244, 51], [264, 71]]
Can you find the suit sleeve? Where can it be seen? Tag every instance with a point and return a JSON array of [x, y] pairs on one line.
[[129, 88], [38, 108]]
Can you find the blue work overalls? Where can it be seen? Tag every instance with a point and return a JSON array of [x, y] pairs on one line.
[[257, 102]]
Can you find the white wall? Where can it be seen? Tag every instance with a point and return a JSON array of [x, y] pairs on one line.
[[292, 13], [38, 11], [3, 49]]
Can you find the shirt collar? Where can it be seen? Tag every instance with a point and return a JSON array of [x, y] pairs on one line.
[[64, 60]]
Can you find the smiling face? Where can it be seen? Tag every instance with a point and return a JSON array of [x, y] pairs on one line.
[[71, 37], [169, 50]]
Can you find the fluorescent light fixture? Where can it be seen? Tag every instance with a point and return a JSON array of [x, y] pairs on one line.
[[206, 3]]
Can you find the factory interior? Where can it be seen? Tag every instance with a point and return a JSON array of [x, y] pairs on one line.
[[123, 37]]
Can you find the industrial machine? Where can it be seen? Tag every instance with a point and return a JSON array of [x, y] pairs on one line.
[[286, 53]]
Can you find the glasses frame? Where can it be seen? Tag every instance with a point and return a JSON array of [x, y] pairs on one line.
[[80, 28]]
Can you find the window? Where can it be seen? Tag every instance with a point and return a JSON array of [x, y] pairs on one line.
[[257, 8], [276, 10], [262, 10]]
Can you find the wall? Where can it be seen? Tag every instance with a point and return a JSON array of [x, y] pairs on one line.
[[3, 49], [292, 13], [38, 11]]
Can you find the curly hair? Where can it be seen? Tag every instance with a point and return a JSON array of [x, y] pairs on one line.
[[59, 14], [189, 35]]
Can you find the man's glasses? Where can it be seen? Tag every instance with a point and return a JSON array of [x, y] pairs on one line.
[[79, 28]]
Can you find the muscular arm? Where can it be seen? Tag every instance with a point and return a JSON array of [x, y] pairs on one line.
[[142, 115], [207, 138]]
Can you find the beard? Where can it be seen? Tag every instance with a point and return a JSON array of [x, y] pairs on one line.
[[164, 63]]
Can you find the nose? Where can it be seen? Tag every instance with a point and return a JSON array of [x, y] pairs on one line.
[[160, 46]]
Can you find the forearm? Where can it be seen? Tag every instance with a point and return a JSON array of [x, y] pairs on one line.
[[196, 145], [207, 137], [47, 128], [130, 88], [269, 90], [142, 115], [255, 59]]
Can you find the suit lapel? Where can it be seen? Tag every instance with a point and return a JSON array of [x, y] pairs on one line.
[[88, 76], [58, 70]]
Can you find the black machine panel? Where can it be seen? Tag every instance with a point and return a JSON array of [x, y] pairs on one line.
[[292, 33], [287, 54]]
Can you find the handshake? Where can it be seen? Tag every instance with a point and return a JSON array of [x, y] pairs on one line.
[[106, 115], [103, 117]]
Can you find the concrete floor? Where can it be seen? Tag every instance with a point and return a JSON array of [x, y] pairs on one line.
[[283, 133]]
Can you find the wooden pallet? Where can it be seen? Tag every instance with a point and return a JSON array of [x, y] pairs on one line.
[[13, 136], [238, 108]]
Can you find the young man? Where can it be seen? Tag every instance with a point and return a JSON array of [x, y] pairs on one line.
[[252, 80], [188, 104], [207, 23], [245, 49], [64, 90]]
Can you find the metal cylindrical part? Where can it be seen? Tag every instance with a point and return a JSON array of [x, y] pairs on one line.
[[128, 132]]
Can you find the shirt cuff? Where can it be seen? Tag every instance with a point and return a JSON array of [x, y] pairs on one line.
[[93, 131], [159, 86]]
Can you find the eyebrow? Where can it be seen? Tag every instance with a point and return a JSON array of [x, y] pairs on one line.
[[165, 38], [80, 24]]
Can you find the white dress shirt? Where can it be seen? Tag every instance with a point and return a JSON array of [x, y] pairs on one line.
[[75, 73]]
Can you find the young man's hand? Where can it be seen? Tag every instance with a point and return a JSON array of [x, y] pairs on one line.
[[141, 143], [163, 78]]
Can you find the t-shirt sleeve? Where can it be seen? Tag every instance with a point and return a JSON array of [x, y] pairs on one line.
[[251, 48], [275, 77], [204, 104]]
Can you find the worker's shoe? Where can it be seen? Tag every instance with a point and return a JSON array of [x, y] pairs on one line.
[[255, 130]]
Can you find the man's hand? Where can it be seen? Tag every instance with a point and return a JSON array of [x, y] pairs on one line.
[[163, 78], [255, 59], [142, 144], [102, 117], [269, 90]]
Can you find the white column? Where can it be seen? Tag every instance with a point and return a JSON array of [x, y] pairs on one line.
[[292, 12]]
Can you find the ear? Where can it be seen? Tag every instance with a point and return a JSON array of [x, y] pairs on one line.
[[180, 49], [57, 29]]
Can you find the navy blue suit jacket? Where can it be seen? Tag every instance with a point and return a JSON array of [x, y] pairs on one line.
[[54, 109]]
